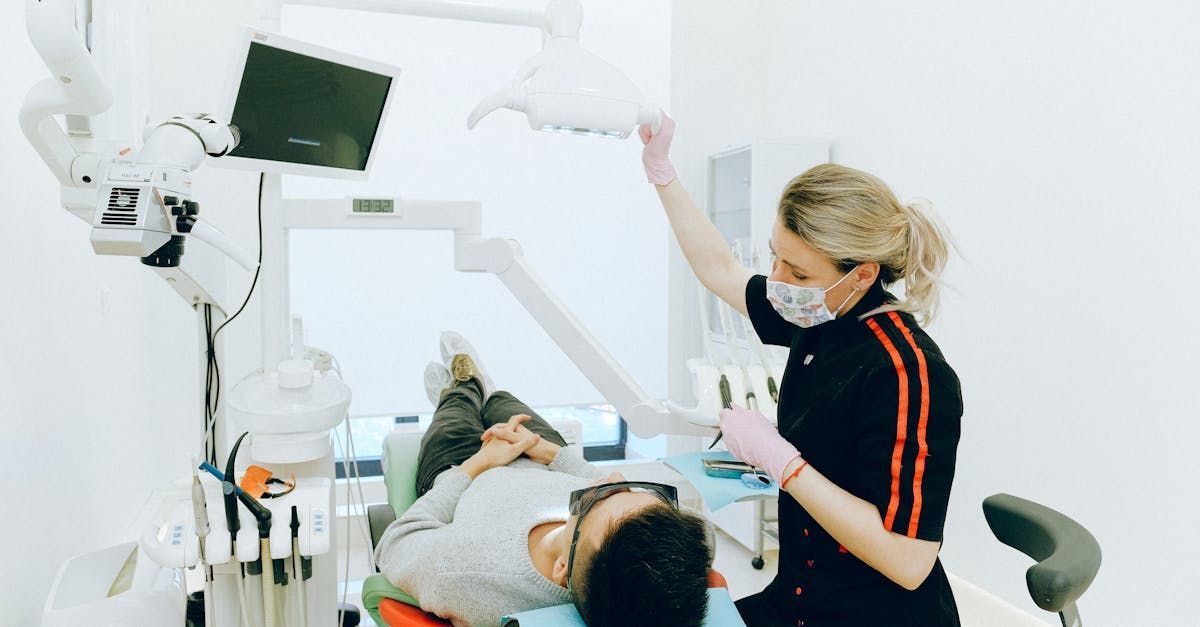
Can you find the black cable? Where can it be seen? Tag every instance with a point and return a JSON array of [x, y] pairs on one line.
[[209, 411], [212, 394], [257, 269]]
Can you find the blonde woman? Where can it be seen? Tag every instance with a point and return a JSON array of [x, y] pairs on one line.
[[869, 410]]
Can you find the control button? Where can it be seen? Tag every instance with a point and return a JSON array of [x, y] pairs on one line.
[[806, 533], [799, 591]]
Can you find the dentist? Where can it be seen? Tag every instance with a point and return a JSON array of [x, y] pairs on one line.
[[869, 409]]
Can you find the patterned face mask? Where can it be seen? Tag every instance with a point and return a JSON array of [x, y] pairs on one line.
[[804, 306]]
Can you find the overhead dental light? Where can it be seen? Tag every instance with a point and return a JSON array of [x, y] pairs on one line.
[[567, 89]]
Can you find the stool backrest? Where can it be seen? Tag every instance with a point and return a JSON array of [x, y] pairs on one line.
[[1067, 554]]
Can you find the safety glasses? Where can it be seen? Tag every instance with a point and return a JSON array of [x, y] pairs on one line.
[[583, 500]]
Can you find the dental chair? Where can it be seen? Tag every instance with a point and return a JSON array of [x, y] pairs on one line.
[[388, 605]]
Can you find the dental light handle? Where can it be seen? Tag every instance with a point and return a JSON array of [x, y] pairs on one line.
[[209, 234], [651, 114]]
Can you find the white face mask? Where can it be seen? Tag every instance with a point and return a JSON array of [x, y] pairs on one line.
[[804, 306]]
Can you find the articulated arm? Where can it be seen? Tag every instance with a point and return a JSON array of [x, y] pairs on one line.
[[646, 417], [75, 86]]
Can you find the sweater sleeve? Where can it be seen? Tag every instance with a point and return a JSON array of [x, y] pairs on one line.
[[570, 460], [418, 535]]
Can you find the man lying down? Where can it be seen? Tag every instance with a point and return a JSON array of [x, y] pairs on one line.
[[501, 500]]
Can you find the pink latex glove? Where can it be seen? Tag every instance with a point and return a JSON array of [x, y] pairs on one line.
[[753, 439], [656, 156]]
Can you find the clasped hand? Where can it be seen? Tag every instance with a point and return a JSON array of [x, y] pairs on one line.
[[504, 443], [514, 432]]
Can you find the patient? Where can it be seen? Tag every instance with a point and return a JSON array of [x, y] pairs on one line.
[[491, 533]]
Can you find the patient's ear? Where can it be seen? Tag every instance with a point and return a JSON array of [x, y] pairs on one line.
[[559, 573]]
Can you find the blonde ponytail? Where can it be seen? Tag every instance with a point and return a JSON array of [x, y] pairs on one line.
[[928, 252], [852, 217]]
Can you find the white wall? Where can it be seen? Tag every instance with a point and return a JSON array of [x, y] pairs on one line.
[[579, 206], [1059, 142]]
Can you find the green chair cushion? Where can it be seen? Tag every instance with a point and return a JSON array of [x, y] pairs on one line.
[[375, 589], [400, 451]]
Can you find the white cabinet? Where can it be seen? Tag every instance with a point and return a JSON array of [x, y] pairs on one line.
[[744, 187]]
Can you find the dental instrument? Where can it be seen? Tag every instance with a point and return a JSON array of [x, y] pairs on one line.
[[299, 573], [706, 334], [263, 516], [760, 350], [724, 315], [233, 523], [200, 511]]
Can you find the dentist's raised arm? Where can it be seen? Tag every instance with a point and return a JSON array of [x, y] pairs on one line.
[[705, 249]]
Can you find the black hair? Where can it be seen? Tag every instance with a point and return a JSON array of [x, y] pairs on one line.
[[652, 570]]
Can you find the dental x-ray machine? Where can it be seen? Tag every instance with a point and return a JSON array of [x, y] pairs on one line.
[[139, 202]]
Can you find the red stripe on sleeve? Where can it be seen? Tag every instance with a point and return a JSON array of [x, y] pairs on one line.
[[901, 421], [922, 444]]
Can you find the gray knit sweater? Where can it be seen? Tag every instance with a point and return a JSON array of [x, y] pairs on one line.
[[462, 550]]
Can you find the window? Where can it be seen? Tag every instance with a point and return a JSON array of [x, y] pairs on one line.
[[604, 434]]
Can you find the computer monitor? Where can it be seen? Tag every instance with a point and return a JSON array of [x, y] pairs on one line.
[[304, 109]]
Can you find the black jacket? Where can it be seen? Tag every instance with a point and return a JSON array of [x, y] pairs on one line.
[[871, 403]]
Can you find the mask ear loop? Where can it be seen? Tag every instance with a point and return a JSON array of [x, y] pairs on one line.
[[838, 311]]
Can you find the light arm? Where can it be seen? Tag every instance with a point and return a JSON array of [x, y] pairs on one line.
[[645, 416]]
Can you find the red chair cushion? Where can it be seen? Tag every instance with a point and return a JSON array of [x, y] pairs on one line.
[[397, 614]]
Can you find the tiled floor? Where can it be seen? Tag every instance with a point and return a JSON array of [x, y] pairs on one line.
[[732, 561]]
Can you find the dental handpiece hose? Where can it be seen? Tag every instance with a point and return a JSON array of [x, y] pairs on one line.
[[263, 516], [200, 511], [301, 573]]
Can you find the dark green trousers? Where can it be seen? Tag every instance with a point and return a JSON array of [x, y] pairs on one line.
[[461, 418]]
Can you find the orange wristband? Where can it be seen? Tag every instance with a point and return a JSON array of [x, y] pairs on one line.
[[803, 465]]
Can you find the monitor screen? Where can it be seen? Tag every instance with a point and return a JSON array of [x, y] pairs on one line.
[[299, 109]]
